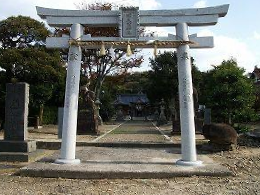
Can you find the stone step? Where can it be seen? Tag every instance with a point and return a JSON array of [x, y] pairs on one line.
[[55, 145], [22, 156]]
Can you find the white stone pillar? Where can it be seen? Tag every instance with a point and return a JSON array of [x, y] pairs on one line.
[[69, 131], [188, 142]]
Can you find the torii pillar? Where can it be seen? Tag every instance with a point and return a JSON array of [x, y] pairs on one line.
[[188, 140], [69, 131]]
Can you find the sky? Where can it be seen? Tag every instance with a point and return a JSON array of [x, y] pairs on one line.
[[235, 36]]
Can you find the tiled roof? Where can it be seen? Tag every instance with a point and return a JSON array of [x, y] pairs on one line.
[[127, 99]]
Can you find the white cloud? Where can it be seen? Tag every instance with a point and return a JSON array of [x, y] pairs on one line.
[[149, 4], [256, 35], [225, 48], [28, 7], [200, 4], [158, 31]]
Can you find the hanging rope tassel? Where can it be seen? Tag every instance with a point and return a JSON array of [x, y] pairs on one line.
[[102, 49], [128, 50]]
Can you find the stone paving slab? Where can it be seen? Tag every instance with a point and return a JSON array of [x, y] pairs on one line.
[[100, 163], [135, 131]]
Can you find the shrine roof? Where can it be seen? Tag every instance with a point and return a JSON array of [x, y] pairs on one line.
[[127, 99]]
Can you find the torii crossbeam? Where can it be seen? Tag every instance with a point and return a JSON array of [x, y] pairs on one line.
[[128, 20]]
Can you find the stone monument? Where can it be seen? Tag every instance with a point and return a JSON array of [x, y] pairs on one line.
[[16, 146], [207, 116], [120, 115]]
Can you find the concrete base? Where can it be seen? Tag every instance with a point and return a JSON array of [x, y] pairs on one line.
[[189, 163], [67, 161], [117, 163], [17, 146], [179, 132]]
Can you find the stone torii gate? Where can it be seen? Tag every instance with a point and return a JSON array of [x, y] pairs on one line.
[[128, 20]]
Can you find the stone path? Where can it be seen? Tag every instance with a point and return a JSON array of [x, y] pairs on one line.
[[135, 132]]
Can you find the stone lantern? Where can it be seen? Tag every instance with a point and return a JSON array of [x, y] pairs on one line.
[[162, 118], [98, 103]]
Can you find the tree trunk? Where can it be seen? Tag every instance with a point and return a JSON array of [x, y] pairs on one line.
[[97, 94], [97, 89], [41, 114], [229, 119]]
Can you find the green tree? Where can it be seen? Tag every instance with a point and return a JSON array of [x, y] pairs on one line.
[[229, 93], [24, 61], [21, 31], [38, 67], [164, 79]]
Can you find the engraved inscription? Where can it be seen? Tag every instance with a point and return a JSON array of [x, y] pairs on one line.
[[16, 111], [72, 82], [186, 95], [184, 56], [129, 23], [73, 56]]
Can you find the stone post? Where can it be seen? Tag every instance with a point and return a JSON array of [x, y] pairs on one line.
[[69, 131], [188, 143], [207, 116]]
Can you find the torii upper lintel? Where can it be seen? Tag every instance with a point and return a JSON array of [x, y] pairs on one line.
[[193, 16]]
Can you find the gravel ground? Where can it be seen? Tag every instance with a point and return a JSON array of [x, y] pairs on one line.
[[244, 163]]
